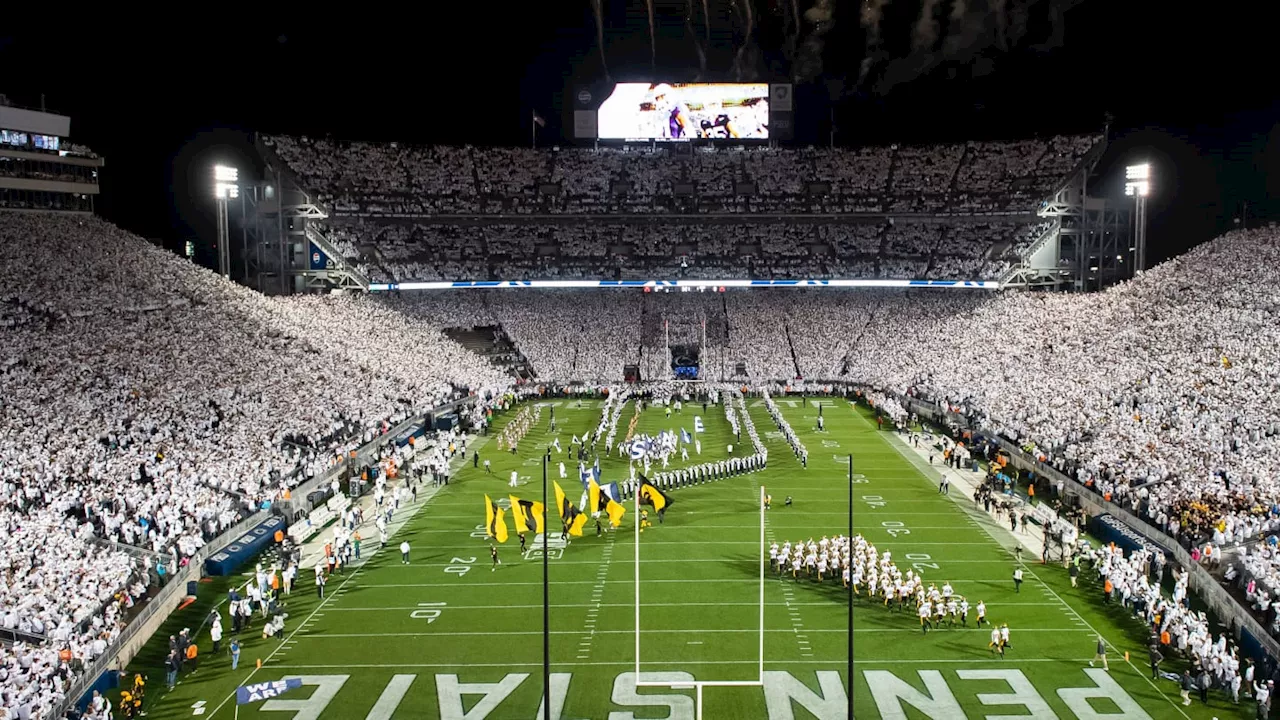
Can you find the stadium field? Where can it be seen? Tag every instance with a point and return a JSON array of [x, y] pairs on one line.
[[450, 637]]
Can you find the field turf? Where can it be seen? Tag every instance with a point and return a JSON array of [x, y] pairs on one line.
[[448, 637]]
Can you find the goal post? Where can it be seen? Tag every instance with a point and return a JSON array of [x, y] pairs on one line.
[[698, 685]]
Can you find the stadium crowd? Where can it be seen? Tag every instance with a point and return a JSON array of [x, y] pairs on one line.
[[394, 209], [395, 179], [403, 251], [149, 405], [152, 404], [1155, 393]]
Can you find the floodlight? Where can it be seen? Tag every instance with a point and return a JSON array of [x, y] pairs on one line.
[[1138, 180], [225, 182]]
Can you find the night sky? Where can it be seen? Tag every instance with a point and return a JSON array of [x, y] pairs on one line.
[[1191, 88]]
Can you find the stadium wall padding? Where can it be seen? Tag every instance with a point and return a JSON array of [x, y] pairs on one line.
[[231, 557]]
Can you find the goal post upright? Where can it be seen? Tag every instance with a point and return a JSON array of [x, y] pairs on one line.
[[636, 499]]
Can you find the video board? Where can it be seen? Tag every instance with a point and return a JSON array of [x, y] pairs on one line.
[[685, 111]]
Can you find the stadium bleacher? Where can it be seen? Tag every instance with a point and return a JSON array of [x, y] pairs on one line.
[[392, 208]]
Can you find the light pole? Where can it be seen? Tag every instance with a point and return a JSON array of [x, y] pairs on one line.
[[224, 189], [1138, 185]]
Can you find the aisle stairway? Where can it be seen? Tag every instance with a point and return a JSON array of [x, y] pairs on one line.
[[491, 342]]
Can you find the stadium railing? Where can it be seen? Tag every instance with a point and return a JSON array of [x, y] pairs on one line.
[[1211, 592]]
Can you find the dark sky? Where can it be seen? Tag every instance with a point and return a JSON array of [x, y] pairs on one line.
[[1189, 87]]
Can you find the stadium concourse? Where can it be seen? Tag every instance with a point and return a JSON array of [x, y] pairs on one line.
[[150, 403], [961, 211]]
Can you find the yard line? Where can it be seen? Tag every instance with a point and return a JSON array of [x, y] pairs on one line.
[[603, 573], [539, 583], [721, 560], [841, 663], [561, 606], [787, 590], [795, 631]]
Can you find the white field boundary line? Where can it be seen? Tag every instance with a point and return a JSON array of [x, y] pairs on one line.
[[565, 606], [301, 625], [333, 595], [984, 524], [835, 662]]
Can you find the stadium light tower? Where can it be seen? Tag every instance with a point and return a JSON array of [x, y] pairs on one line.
[[1138, 185], [225, 188]]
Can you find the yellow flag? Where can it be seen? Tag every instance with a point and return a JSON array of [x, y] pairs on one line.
[[598, 500], [569, 514], [651, 495], [495, 522], [528, 515]]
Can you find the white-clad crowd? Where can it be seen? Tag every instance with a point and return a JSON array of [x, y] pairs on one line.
[[1158, 392], [149, 402], [365, 178], [390, 207], [960, 249]]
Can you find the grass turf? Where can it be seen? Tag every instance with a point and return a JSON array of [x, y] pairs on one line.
[[447, 637]]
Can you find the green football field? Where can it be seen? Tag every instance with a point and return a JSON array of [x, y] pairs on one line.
[[449, 637]]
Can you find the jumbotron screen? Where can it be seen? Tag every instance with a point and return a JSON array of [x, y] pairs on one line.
[[685, 111]]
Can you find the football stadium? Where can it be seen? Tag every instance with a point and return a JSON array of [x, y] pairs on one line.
[[690, 406]]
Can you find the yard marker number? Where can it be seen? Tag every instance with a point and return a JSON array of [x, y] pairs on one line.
[[874, 501], [460, 566], [895, 528], [920, 563], [430, 612]]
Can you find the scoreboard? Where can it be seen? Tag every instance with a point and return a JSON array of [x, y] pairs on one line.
[[678, 112]]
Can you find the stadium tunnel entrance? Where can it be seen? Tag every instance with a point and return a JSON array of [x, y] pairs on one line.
[[685, 361]]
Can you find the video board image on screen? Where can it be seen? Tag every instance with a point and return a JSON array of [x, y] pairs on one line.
[[685, 111]]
